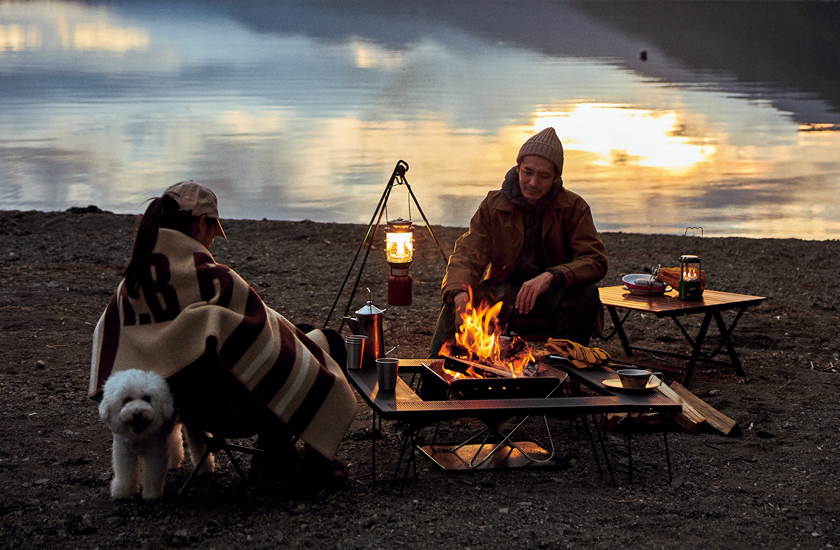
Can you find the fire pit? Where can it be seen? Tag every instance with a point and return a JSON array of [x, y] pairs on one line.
[[482, 363], [473, 381]]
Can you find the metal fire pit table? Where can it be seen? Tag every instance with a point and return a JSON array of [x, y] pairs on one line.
[[403, 405]]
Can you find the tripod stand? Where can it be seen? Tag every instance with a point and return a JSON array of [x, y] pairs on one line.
[[397, 178]]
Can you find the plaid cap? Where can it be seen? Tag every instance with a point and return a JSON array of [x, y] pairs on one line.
[[197, 200]]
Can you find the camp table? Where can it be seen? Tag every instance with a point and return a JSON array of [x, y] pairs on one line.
[[405, 406], [669, 305]]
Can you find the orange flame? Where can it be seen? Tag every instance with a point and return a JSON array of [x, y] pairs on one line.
[[479, 337]]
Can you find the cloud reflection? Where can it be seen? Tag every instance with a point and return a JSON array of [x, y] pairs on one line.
[[66, 26], [16, 38], [110, 103]]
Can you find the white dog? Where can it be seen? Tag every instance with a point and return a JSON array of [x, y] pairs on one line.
[[140, 410]]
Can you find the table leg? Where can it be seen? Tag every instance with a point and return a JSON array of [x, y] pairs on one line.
[[725, 334], [619, 329], [373, 449], [698, 343], [408, 444]]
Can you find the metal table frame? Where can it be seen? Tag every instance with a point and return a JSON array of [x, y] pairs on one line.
[[403, 405], [594, 379], [669, 305]]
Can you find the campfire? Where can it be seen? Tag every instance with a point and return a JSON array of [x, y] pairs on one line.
[[480, 348]]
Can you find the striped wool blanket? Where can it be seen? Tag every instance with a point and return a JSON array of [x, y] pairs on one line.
[[192, 308]]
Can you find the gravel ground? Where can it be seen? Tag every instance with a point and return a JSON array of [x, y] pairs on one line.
[[774, 486]]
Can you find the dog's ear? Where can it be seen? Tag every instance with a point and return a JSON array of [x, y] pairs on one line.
[[105, 408], [167, 402]]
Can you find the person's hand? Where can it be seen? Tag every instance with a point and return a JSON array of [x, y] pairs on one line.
[[460, 302], [527, 297]]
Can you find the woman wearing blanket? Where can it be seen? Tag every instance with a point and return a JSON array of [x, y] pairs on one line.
[[233, 364]]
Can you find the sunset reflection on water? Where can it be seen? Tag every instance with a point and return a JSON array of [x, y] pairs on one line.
[[108, 104]]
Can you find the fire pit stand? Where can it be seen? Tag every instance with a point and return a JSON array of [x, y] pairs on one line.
[[404, 406], [486, 455], [495, 450]]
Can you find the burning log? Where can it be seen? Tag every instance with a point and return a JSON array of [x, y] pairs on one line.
[[530, 370], [480, 344]]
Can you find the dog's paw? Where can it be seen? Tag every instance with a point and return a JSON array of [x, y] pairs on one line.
[[174, 462], [122, 491], [152, 493], [208, 467]]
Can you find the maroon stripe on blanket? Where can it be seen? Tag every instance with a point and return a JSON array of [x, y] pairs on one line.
[[244, 336], [279, 372], [208, 273], [110, 340], [313, 401]]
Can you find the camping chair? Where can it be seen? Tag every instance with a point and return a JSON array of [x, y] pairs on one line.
[[216, 444], [220, 405]]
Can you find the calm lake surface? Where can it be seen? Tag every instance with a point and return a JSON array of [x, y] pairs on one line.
[[729, 121]]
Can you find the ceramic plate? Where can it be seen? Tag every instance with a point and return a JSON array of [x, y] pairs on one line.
[[615, 384], [645, 292]]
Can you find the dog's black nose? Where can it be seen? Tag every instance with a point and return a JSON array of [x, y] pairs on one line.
[[137, 416]]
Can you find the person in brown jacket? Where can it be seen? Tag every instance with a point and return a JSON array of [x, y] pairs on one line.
[[533, 245]]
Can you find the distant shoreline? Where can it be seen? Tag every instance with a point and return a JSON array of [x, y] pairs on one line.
[[93, 209]]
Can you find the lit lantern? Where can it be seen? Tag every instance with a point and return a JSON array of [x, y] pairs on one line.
[[691, 287], [399, 249]]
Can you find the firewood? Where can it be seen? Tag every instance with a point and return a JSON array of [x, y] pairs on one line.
[[689, 418], [714, 418]]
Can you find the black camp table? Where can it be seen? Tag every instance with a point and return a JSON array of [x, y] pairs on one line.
[[405, 406], [593, 378]]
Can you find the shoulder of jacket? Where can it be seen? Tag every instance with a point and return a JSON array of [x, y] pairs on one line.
[[497, 200], [566, 199]]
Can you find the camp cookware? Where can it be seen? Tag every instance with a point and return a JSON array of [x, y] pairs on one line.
[[368, 322]]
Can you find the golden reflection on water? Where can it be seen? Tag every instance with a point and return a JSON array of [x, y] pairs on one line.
[[15, 38], [624, 135], [647, 156], [100, 36]]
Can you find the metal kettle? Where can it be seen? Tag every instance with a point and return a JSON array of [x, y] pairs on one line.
[[368, 322]]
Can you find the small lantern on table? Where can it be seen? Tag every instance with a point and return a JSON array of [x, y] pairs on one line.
[[691, 287], [399, 249]]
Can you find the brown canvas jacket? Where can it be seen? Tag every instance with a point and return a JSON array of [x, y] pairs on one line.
[[487, 251]]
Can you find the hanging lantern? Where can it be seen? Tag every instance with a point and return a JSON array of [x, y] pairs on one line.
[[399, 249], [690, 278]]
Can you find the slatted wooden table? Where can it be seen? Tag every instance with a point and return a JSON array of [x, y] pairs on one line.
[[669, 305]]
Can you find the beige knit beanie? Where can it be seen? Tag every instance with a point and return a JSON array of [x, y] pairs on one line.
[[546, 144]]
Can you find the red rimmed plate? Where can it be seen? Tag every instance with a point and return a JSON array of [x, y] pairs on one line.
[[644, 284]]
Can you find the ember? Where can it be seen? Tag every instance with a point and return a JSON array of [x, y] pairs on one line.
[[480, 343]]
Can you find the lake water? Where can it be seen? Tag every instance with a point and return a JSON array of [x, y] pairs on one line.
[[300, 110]]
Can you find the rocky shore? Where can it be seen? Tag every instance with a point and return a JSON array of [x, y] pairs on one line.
[[774, 486]]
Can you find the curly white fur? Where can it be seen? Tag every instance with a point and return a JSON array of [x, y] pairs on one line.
[[140, 410]]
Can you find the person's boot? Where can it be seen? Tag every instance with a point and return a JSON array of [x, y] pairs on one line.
[[281, 458], [319, 472]]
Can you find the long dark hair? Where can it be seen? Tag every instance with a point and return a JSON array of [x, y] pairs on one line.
[[163, 212]]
